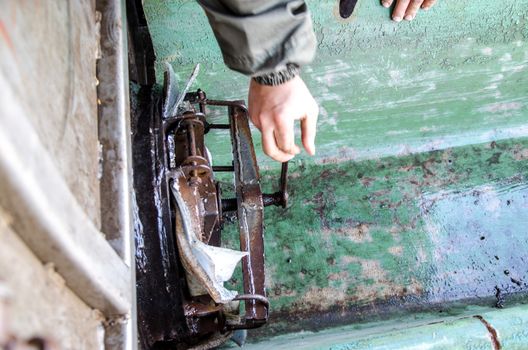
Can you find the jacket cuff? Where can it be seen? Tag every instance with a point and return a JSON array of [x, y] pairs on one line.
[[280, 77]]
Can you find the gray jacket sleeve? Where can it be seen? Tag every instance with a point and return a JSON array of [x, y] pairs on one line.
[[262, 37]]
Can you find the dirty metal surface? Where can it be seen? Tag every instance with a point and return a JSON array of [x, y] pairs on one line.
[[114, 128], [479, 330], [171, 310], [250, 212], [375, 239], [158, 275], [364, 240], [26, 312]]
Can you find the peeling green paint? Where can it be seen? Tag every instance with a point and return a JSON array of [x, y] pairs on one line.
[[456, 75], [414, 231]]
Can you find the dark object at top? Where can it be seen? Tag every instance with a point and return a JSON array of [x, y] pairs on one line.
[[346, 7]]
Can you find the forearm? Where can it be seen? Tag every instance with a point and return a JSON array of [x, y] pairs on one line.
[[261, 37]]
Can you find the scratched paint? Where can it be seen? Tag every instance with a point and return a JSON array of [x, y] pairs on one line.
[[456, 75], [472, 226]]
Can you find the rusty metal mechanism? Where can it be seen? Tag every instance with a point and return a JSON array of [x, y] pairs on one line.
[[212, 311], [178, 217]]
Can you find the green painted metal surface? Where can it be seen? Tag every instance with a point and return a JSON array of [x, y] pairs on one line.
[[420, 333], [456, 75], [417, 198]]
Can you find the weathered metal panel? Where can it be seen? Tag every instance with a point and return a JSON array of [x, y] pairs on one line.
[[39, 303], [492, 330], [117, 203], [50, 220], [48, 51], [114, 128], [51, 160]]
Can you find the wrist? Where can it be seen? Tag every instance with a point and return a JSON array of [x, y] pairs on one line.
[[280, 77]]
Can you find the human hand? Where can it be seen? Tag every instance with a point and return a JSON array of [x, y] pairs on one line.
[[274, 110], [406, 9]]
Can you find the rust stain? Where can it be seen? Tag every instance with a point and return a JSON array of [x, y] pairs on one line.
[[382, 287], [396, 250], [5, 36], [339, 276], [269, 272], [367, 181], [356, 232], [520, 153], [494, 159], [323, 298], [359, 233], [492, 332]]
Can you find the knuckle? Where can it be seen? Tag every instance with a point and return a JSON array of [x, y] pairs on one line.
[[267, 149], [279, 118], [285, 145], [288, 149], [270, 153]]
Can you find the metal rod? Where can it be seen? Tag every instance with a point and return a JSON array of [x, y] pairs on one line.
[[229, 204], [224, 168], [238, 104], [219, 126], [284, 177], [280, 198], [192, 139], [260, 298]]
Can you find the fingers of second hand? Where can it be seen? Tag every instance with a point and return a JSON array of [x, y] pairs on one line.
[[412, 9], [386, 3], [399, 10], [427, 4]]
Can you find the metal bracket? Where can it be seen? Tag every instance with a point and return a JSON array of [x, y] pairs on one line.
[[187, 156]]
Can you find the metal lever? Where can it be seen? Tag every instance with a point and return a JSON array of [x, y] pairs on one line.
[[280, 198]]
